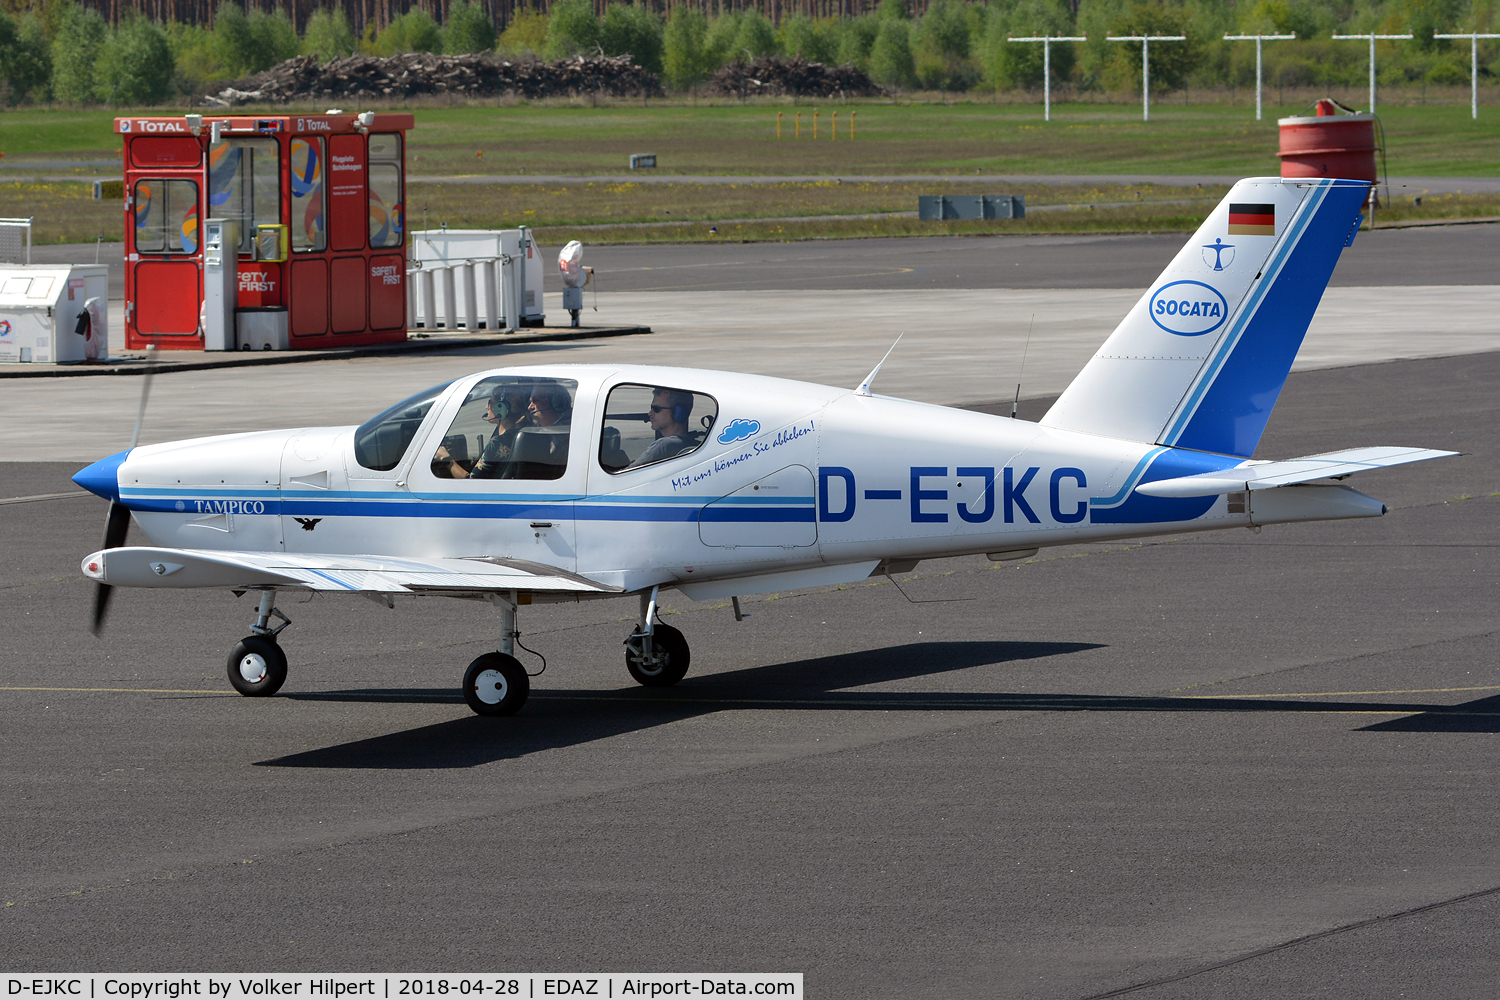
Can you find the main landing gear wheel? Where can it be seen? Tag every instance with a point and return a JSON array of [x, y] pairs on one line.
[[257, 666], [496, 684], [669, 657]]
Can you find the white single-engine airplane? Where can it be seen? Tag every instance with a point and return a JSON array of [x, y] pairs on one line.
[[577, 482]]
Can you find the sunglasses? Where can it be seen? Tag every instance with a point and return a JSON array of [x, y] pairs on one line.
[[660, 409]]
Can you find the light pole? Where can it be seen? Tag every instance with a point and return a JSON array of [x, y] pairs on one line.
[[1473, 38], [1372, 58], [1047, 41], [1258, 39], [1146, 41]]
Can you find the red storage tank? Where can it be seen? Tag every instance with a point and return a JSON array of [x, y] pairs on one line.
[[1329, 144]]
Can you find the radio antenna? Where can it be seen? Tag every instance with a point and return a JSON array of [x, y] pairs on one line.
[[1015, 403]]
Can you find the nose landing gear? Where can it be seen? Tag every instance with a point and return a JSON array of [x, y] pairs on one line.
[[257, 666]]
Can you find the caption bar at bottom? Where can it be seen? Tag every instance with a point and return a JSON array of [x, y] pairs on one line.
[[399, 986]]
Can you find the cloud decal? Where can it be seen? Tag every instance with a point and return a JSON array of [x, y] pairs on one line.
[[738, 429]]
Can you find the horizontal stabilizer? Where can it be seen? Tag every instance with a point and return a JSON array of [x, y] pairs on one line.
[[1266, 475], [138, 566]]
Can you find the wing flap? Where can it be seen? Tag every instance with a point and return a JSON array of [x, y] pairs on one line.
[[139, 566], [1268, 475]]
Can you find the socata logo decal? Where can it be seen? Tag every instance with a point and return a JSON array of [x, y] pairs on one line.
[[1188, 308]]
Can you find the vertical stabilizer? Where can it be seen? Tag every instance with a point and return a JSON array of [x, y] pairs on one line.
[[1200, 360]]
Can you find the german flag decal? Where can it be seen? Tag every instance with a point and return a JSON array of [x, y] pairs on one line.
[[1252, 220]]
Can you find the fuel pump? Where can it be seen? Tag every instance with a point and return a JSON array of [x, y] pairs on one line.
[[221, 282]]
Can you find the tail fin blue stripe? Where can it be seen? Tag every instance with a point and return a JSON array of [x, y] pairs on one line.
[[1228, 408], [1259, 291]]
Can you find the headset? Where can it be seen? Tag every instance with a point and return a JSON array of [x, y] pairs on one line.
[[500, 406], [680, 410]]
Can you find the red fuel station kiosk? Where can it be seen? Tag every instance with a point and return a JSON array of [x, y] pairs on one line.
[[317, 209]]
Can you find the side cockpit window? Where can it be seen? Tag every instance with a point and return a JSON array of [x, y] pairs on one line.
[[509, 427], [380, 441], [646, 424]]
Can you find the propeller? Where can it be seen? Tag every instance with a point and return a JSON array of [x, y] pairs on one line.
[[117, 523]]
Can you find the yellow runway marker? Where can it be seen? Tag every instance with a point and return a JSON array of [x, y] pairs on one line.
[[116, 690], [1348, 694]]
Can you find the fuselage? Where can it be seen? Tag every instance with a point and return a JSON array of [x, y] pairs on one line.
[[784, 475]]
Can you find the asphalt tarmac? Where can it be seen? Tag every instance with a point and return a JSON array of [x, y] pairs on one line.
[[1220, 765], [1422, 255]]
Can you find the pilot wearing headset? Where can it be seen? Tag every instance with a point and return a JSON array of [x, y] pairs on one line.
[[506, 409], [670, 409]]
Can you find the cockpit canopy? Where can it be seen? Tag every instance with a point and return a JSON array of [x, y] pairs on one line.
[[521, 427]]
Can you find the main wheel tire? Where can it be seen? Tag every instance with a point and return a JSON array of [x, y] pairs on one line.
[[257, 666], [669, 660], [496, 684]]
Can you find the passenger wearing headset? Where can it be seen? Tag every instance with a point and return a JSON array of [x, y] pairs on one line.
[[670, 409]]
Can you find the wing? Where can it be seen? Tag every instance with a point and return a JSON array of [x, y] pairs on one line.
[[1265, 475], [139, 566]]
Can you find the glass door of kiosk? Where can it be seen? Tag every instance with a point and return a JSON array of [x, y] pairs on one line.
[[244, 183], [165, 207]]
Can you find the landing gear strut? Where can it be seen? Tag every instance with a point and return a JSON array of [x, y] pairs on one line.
[[257, 666], [496, 683], [655, 654]]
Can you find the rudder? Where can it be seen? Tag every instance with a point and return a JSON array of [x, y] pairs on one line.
[[1200, 360]]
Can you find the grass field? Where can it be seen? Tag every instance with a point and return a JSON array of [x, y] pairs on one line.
[[66, 212], [968, 140], [890, 139], [484, 206]]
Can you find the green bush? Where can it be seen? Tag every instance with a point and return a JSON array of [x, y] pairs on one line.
[[1447, 71], [135, 64], [572, 29], [25, 58], [1171, 62], [685, 57], [196, 56], [756, 37], [940, 49], [890, 56], [468, 29], [635, 31], [526, 34], [81, 34], [718, 45], [328, 35], [856, 39], [813, 40], [1020, 64], [414, 31]]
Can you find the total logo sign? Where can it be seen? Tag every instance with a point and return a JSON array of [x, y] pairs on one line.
[[1188, 308], [146, 125]]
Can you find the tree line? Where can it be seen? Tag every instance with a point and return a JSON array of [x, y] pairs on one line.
[[135, 52]]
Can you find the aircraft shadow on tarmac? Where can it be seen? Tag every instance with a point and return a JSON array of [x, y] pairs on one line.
[[558, 719], [554, 719]]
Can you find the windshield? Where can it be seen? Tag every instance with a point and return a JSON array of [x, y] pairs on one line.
[[380, 441]]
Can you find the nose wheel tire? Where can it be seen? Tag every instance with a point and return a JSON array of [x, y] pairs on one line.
[[257, 667], [669, 658], [496, 684]]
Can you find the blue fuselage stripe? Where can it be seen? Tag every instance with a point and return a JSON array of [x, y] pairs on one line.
[[775, 510]]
